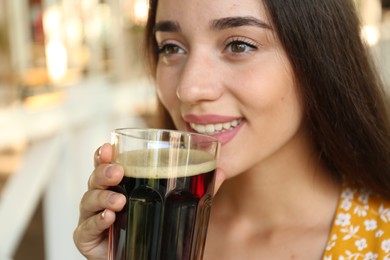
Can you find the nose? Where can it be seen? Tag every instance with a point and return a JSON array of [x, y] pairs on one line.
[[199, 79]]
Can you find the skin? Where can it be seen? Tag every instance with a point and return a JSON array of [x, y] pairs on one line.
[[98, 206], [205, 74], [277, 200]]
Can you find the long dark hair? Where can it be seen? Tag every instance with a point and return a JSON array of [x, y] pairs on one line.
[[162, 120], [342, 93]]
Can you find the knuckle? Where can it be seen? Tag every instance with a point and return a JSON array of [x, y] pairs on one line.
[[90, 181], [76, 236], [83, 202], [87, 202], [96, 156], [96, 177]]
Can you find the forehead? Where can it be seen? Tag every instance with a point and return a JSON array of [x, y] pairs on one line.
[[202, 11]]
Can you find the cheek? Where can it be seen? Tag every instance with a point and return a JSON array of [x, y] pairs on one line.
[[270, 86], [166, 88], [166, 92]]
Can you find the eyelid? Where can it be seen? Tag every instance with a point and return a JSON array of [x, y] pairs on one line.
[[164, 43], [242, 39], [170, 51]]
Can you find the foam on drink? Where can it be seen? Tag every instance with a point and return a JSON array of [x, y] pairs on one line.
[[165, 163]]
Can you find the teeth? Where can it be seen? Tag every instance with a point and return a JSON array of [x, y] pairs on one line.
[[215, 128], [210, 129], [218, 127], [226, 126]]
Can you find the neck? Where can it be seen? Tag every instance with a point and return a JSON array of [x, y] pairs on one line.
[[287, 194]]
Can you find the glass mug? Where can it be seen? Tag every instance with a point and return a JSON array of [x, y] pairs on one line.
[[169, 185]]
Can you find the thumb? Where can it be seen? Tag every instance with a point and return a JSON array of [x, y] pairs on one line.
[[219, 179]]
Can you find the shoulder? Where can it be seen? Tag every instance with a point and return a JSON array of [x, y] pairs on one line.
[[361, 227]]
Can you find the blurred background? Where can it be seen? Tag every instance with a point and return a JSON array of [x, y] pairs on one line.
[[70, 71]]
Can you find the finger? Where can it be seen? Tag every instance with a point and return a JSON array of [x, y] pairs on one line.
[[105, 175], [97, 200], [91, 231], [219, 179], [103, 154]]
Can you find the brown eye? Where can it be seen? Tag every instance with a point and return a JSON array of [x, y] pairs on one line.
[[238, 47], [169, 49]]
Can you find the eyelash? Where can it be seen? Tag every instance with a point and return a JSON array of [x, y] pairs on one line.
[[176, 49], [163, 48], [252, 45]]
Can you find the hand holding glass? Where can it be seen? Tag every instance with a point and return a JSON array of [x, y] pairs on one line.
[[169, 184]]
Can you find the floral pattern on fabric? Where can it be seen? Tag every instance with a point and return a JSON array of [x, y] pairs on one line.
[[361, 228]]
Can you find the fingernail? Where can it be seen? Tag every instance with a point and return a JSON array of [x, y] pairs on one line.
[[112, 198], [108, 171], [103, 214]]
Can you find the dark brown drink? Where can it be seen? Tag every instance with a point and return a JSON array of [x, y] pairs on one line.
[[169, 199]]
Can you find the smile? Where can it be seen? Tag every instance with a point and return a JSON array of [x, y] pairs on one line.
[[215, 128]]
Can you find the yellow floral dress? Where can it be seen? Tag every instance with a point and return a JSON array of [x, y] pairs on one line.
[[361, 228]]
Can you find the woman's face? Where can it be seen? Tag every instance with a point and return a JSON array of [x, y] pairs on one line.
[[222, 71]]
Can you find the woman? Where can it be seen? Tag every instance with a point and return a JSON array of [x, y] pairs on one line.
[[288, 88]]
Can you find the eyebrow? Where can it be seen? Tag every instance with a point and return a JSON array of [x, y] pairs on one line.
[[237, 21], [166, 26], [218, 24]]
